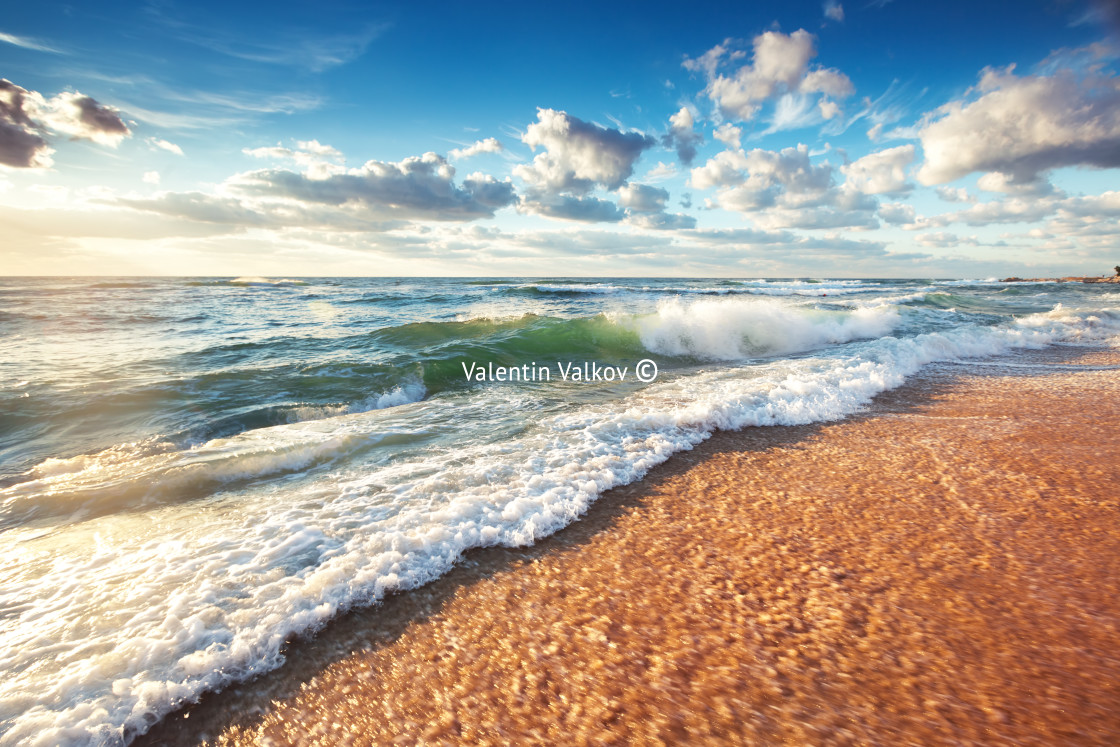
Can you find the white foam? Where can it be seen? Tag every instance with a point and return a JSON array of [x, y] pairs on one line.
[[401, 395], [266, 282], [153, 471], [738, 328]]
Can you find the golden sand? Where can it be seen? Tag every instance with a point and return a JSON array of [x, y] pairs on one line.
[[943, 569]]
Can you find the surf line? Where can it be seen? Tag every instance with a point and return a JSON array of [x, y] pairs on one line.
[[590, 371]]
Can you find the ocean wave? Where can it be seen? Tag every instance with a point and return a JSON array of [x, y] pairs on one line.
[[736, 329], [251, 282], [155, 470], [218, 593]]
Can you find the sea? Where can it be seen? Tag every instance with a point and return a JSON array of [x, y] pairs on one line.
[[195, 470]]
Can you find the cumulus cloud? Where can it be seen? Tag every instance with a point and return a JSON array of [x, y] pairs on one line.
[[1021, 127], [784, 189], [573, 207], [21, 144], [661, 171], [996, 181], [940, 239], [882, 172], [643, 198], [759, 178], [319, 161], [682, 136], [955, 194], [578, 155], [489, 145], [1011, 210], [898, 214], [81, 117], [417, 187], [645, 208], [662, 221], [780, 67], [729, 135], [26, 118]]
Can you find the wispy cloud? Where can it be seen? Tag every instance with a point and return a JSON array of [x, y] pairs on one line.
[[28, 43], [159, 144], [202, 110], [294, 47]]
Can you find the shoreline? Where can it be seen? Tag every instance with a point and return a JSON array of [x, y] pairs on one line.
[[1071, 279], [692, 605]]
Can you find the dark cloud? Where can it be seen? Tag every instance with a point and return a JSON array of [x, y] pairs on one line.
[[98, 118], [21, 145], [569, 207], [682, 137], [662, 221], [419, 187], [26, 118]]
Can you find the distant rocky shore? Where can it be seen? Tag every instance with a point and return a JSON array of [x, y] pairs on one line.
[[1113, 279]]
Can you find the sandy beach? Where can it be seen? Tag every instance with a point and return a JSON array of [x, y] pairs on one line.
[[944, 568]]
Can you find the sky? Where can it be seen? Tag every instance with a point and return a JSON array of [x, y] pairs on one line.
[[878, 138]]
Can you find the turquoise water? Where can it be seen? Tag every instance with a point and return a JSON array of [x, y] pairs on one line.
[[193, 469]]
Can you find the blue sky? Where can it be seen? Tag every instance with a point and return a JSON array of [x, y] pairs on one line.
[[723, 139]]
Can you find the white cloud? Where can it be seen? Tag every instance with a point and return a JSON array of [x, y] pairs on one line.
[[724, 169], [829, 109], [661, 171], [783, 189], [645, 208], [955, 194], [757, 178], [882, 172], [489, 145], [577, 154], [578, 157], [682, 136], [779, 67], [939, 239], [662, 221], [319, 161], [996, 181], [729, 135], [27, 43], [80, 117], [897, 214], [834, 10], [1024, 126], [1011, 210], [642, 198], [156, 142], [151, 177]]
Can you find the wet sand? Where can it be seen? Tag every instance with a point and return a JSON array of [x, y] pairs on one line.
[[944, 568]]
